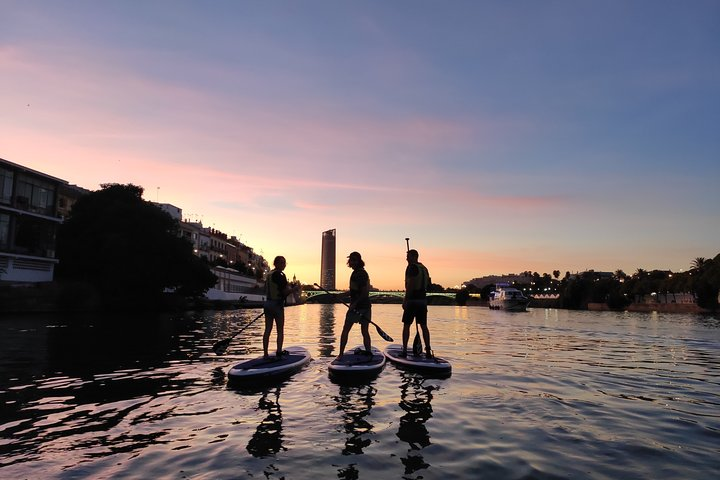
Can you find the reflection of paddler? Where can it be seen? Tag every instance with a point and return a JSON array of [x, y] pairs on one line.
[[267, 439], [415, 400], [356, 402]]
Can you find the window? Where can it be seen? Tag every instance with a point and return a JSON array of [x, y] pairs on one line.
[[35, 195], [4, 230], [34, 236], [6, 182]]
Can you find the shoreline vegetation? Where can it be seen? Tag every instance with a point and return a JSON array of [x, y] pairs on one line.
[[70, 297]]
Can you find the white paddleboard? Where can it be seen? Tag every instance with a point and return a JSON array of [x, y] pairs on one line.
[[356, 364], [267, 369], [434, 366]]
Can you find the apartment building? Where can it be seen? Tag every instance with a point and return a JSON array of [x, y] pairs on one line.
[[32, 207]]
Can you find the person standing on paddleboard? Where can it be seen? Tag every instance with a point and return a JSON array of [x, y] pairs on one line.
[[277, 288], [417, 281], [359, 310]]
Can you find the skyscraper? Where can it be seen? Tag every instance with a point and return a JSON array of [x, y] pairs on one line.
[[327, 260]]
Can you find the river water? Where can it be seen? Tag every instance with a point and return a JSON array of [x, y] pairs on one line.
[[543, 394]]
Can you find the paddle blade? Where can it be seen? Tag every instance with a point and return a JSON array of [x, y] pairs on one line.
[[220, 347], [384, 335], [417, 344]]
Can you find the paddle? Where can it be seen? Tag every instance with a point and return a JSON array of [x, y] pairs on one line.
[[380, 332], [222, 345], [417, 343]]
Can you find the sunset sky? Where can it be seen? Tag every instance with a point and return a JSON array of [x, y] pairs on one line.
[[499, 136]]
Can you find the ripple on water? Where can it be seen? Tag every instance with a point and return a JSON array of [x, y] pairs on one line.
[[541, 395]]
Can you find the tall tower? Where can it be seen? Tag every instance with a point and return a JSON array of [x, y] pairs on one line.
[[327, 260]]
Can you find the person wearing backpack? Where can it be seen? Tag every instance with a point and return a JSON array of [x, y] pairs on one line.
[[417, 282]]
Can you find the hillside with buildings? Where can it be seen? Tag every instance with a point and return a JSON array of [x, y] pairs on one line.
[[34, 205]]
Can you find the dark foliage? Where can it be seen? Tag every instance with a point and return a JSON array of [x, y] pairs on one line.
[[462, 296], [128, 248]]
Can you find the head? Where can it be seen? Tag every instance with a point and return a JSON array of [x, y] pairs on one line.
[[412, 256], [355, 260], [279, 262]]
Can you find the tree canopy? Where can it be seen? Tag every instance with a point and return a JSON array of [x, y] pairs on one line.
[[128, 248]]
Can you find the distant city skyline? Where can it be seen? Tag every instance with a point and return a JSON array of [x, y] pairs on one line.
[[498, 136]]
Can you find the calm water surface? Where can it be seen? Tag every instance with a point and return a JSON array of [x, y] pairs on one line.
[[538, 395]]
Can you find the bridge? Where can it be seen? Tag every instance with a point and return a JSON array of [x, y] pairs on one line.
[[310, 294]]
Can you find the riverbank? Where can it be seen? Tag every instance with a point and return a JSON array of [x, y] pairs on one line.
[[652, 307], [83, 297]]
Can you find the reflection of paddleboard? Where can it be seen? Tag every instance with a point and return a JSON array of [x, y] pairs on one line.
[[273, 368], [356, 364], [434, 366]]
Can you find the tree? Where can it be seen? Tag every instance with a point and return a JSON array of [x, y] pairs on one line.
[[707, 286], [128, 249], [462, 296], [698, 263]]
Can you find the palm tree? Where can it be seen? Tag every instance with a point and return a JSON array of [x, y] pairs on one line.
[[698, 263]]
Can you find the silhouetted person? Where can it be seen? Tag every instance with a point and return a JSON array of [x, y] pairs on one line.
[[359, 311], [277, 288], [417, 281]]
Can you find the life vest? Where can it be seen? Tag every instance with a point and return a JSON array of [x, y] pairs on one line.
[[272, 290], [421, 281]]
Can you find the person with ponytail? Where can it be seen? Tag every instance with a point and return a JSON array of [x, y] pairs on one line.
[[277, 288]]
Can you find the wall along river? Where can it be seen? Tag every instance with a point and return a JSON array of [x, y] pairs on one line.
[[543, 394]]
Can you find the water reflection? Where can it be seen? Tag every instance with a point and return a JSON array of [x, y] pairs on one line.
[[268, 438], [96, 400], [326, 342], [415, 398], [355, 401]]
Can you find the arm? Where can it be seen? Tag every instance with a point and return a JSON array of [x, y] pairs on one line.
[[411, 272], [363, 288]]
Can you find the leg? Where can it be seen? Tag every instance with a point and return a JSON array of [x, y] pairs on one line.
[[280, 322], [345, 331], [422, 321], [344, 336], [407, 320], [426, 336], [269, 318], [366, 336]]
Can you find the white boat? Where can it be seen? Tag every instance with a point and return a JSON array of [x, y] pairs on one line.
[[505, 297]]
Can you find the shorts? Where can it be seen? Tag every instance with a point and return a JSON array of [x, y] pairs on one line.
[[415, 310], [273, 308], [352, 316]]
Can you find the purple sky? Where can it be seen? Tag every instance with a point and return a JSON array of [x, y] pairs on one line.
[[499, 136]]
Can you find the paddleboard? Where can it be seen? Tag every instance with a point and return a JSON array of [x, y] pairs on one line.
[[356, 364], [433, 366], [261, 369]]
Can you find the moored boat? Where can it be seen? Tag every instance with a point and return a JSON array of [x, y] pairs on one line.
[[505, 297]]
